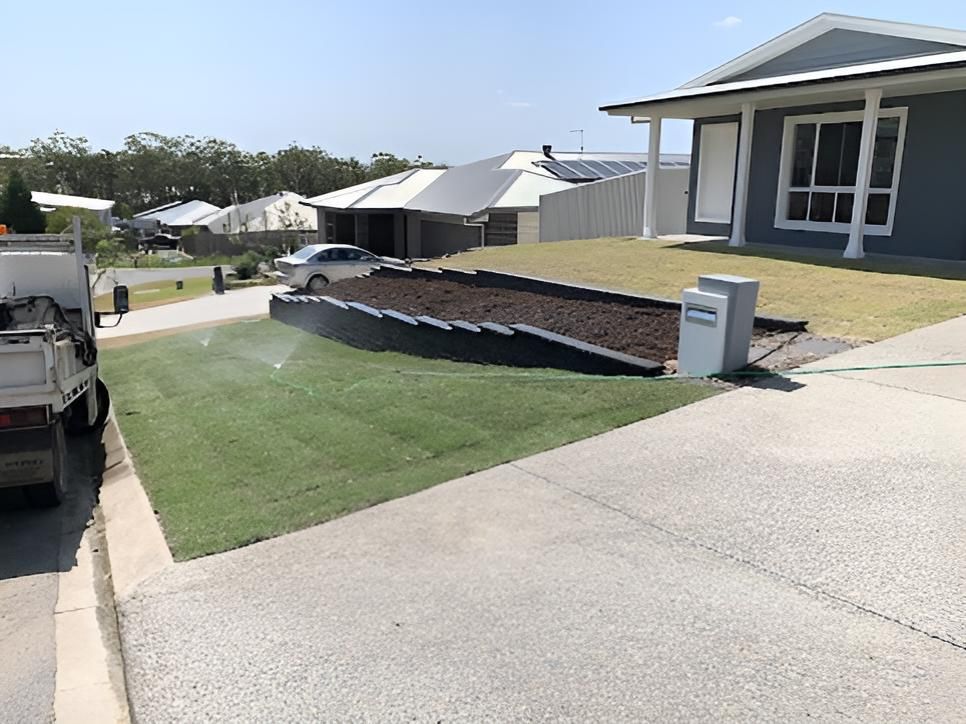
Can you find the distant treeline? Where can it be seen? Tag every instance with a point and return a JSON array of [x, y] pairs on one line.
[[152, 169]]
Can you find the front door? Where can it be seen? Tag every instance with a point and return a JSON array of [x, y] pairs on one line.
[[716, 172]]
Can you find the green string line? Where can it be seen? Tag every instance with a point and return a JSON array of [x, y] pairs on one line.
[[538, 377]]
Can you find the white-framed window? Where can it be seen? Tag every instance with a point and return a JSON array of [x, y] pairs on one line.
[[819, 164]]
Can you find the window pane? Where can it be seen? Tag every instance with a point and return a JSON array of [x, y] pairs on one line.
[[821, 207], [884, 153], [843, 208], [804, 151], [797, 205], [851, 140], [877, 212], [829, 160]]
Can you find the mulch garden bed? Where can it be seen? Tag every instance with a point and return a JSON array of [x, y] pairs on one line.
[[648, 332]]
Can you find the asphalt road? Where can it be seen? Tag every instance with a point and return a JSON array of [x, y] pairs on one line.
[[778, 553], [35, 545]]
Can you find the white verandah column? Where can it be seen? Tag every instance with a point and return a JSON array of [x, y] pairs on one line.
[[650, 179], [870, 119], [742, 175]]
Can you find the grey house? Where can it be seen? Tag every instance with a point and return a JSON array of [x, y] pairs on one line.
[[843, 133]]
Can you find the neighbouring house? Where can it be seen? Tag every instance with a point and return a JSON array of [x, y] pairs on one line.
[[284, 211], [496, 201], [172, 218], [843, 133], [51, 202]]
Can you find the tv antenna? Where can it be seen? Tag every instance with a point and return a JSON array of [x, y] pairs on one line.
[[581, 132]]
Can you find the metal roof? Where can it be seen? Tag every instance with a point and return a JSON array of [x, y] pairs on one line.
[[75, 202], [186, 213], [511, 180], [269, 213], [902, 66], [819, 25], [390, 192]]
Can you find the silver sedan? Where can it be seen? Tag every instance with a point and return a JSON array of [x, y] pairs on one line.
[[315, 266]]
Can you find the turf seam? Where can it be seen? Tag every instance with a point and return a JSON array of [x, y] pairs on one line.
[[757, 567]]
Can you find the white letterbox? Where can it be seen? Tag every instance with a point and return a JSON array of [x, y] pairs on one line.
[[717, 318], [704, 322]]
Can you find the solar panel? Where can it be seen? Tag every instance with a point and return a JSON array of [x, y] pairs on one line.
[[602, 170], [593, 170], [561, 170]]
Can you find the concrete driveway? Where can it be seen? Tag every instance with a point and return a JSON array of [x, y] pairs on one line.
[[784, 552], [209, 309], [112, 277]]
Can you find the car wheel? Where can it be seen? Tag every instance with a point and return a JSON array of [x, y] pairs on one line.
[[318, 283], [50, 495]]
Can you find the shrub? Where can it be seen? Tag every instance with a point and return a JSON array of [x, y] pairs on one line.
[[108, 251], [246, 266]]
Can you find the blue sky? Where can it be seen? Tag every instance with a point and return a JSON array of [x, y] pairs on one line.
[[453, 81]]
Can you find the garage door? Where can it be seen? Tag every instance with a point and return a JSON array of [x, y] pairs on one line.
[[438, 238]]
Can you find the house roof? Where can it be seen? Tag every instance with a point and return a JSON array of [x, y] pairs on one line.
[[75, 202], [515, 179], [747, 88], [390, 192], [937, 51], [819, 25], [179, 213], [270, 213]]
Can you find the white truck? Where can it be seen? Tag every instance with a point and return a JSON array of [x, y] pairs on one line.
[[48, 359]]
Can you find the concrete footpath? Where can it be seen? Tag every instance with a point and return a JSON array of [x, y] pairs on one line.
[[773, 553], [209, 309]]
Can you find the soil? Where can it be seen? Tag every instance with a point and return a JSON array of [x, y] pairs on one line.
[[649, 332]]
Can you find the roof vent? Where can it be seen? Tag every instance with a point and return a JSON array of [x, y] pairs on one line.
[[547, 148]]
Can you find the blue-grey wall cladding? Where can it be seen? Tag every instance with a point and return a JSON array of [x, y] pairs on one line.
[[517, 345], [929, 219]]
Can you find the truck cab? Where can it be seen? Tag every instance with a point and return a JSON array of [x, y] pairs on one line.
[[49, 385]]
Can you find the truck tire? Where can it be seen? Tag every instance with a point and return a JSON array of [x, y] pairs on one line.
[[77, 419], [50, 495]]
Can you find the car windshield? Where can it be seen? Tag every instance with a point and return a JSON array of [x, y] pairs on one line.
[[304, 253]]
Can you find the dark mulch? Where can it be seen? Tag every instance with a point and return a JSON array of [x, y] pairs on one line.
[[651, 333]]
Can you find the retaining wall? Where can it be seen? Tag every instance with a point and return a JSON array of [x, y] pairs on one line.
[[518, 345]]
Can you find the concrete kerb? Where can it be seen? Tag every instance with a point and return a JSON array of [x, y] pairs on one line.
[[119, 548], [135, 543]]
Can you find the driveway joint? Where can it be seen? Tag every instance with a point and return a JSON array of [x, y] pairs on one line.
[[784, 578]]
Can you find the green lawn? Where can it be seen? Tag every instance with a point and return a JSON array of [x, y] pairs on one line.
[[866, 300], [153, 294], [232, 451]]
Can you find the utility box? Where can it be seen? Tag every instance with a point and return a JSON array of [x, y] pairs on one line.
[[717, 319]]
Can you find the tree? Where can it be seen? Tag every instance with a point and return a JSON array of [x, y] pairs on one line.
[[17, 210], [153, 169], [386, 164], [92, 230]]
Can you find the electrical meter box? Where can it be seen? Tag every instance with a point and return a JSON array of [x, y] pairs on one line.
[[717, 319]]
